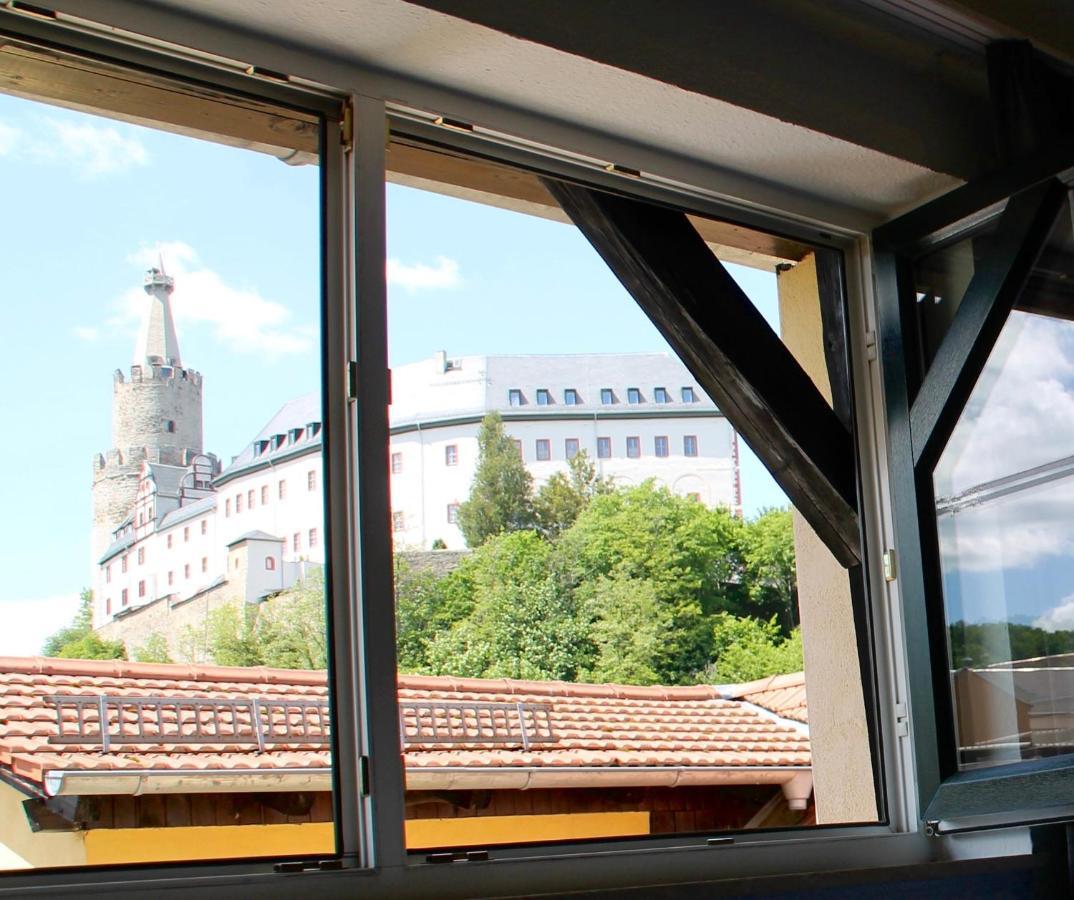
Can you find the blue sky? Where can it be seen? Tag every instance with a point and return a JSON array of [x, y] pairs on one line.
[[97, 200]]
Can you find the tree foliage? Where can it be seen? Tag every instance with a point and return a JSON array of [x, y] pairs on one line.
[[745, 649], [79, 641], [154, 650], [562, 498], [287, 631], [978, 644], [768, 555], [501, 493]]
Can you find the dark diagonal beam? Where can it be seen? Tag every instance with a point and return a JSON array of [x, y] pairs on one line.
[[992, 292], [734, 354], [833, 320]]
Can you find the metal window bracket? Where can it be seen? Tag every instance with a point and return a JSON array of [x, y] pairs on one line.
[[458, 856], [308, 865]]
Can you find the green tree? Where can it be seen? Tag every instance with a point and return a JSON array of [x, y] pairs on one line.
[[501, 494], [688, 553], [521, 625], [770, 578], [287, 631], [562, 498], [154, 650], [627, 624], [79, 641], [425, 606], [745, 649]]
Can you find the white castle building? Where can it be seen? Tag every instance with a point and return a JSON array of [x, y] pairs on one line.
[[170, 524]]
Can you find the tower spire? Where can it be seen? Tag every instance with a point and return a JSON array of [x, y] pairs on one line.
[[157, 342]]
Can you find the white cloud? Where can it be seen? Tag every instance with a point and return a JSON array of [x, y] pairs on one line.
[[9, 138], [1020, 415], [90, 150], [87, 333], [97, 150], [1059, 618], [423, 277], [28, 622], [239, 317]]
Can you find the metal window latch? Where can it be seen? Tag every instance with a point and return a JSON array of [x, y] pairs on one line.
[[352, 380], [902, 722], [308, 865], [346, 127], [891, 570], [458, 856]]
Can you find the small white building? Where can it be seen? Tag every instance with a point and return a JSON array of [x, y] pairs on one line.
[[637, 416]]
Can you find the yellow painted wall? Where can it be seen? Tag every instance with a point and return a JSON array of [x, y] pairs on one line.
[[147, 845], [22, 848], [842, 765]]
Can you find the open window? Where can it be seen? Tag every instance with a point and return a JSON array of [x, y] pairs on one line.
[[980, 298]]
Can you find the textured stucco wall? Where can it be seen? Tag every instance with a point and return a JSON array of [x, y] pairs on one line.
[[842, 767]]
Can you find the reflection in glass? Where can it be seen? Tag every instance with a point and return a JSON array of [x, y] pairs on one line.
[[1004, 495]]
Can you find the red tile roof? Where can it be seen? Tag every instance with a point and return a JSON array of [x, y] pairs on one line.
[[583, 725], [785, 695]]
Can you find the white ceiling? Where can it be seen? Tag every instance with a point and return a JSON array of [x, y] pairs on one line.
[[395, 37]]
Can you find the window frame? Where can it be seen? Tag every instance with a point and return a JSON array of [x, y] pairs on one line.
[[355, 180], [951, 801]]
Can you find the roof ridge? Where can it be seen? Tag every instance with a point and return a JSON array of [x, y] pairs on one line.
[[122, 668]]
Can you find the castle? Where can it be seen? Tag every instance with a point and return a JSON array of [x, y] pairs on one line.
[[175, 534]]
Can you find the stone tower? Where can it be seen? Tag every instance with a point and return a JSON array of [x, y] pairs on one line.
[[156, 414]]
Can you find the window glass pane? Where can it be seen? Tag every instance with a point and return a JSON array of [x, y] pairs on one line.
[[1003, 498], [180, 710], [629, 577]]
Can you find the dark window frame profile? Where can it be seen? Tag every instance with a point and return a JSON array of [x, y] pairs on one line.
[[924, 399]]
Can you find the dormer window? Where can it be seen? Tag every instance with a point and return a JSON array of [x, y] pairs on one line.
[[570, 397], [660, 395], [294, 435], [261, 447], [312, 430], [277, 441], [633, 395], [544, 397], [514, 397]]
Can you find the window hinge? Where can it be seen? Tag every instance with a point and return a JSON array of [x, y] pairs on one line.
[[309, 865], [352, 380], [891, 570], [363, 775], [870, 345], [458, 856], [346, 126]]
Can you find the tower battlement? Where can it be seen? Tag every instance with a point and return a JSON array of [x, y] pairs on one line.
[[139, 374]]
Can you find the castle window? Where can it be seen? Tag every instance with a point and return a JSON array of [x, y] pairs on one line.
[[264, 494], [570, 397], [544, 397], [312, 430], [693, 495], [205, 564], [514, 397], [398, 521], [451, 455], [281, 489], [604, 448], [544, 449], [633, 395], [311, 480], [186, 534], [107, 574], [141, 588], [238, 504], [607, 396], [123, 564], [397, 463], [123, 597], [660, 445], [660, 395], [570, 448], [108, 606], [227, 511], [688, 395], [261, 447], [270, 564], [169, 426], [294, 435], [186, 571], [689, 445], [633, 447], [168, 542], [235, 564], [204, 526], [453, 513], [296, 542], [518, 447], [171, 578], [141, 556], [250, 498], [313, 537]]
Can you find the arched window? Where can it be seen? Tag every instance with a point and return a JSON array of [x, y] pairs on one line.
[[169, 426]]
